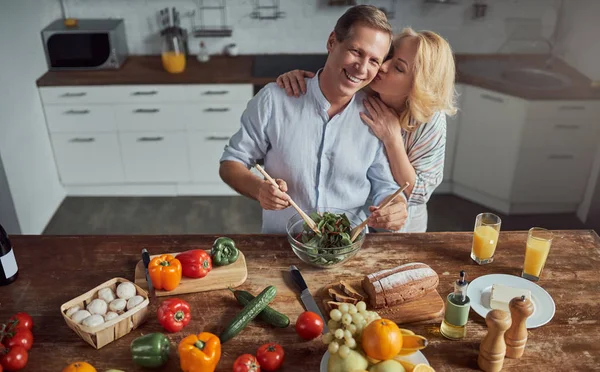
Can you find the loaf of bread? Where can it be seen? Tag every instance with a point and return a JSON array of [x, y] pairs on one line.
[[403, 283]]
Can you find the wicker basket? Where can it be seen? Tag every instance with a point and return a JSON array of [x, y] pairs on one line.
[[107, 332]]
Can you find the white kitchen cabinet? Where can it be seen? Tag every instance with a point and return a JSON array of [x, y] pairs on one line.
[[452, 125], [518, 156], [138, 139], [159, 157], [88, 158]]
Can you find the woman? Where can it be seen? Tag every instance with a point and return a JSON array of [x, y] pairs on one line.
[[407, 106]]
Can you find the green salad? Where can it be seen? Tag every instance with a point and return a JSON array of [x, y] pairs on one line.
[[324, 248]]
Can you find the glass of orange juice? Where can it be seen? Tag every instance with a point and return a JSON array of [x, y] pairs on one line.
[[538, 245], [173, 53], [485, 238]]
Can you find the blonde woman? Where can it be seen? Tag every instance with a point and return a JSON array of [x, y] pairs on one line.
[[406, 109]]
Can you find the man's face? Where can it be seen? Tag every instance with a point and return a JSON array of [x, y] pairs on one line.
[[354, 62]]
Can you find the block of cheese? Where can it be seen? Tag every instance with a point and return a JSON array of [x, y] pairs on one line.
[[403, 283], [502, 294]]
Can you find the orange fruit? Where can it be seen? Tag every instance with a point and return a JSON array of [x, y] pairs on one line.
[[382, 339], [79, 367]]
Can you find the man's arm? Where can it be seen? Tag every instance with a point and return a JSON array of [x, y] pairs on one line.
[[239, 178]]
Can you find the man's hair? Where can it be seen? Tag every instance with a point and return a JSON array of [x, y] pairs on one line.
[[367, 15]]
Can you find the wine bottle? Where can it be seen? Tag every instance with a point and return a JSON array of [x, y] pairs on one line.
[[8, 263]]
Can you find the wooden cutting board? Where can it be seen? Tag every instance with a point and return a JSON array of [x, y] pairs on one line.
[[430, 306], [220, 277]]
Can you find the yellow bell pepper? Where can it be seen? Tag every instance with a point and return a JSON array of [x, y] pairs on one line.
[[199, 353]]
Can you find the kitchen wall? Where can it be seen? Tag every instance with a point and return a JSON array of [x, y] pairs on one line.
[[24, 143], [308, 23]]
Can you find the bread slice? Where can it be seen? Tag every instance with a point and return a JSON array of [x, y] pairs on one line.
[[337, 295], [352, 291], [403, 283]]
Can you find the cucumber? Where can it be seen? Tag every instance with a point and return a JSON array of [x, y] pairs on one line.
[[248, 313], [269, 315]]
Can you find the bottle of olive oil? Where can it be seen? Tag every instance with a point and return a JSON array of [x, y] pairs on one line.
[[8, 263], [458, 304]]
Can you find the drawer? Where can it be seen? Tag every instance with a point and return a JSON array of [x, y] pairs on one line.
[[205, 151], [80, 118], [567, 135], [551, 176], [88, 158], [155, 157], [215, 117], [151, 117], [219, 93], [564, 110], [112, 94]]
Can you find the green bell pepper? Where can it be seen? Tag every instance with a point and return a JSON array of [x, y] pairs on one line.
[[151, 350], [224, 252]]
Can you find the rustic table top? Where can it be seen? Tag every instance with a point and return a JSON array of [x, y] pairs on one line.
[[54, 270]]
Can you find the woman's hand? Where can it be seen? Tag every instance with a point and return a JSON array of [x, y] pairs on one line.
[[273, 198], [393, 217], [382, 120], [293, 82]]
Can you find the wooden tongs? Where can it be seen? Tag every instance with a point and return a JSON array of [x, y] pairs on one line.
[[356, 231], [304, 216]]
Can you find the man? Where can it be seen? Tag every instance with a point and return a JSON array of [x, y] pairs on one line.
[[316, 146]]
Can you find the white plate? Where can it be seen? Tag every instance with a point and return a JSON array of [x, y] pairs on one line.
[[480, 290], [415, 358]]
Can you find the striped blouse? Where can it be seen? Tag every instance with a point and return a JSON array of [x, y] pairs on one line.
[[426, 148]]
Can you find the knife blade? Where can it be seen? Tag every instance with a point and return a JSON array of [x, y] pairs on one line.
[[146, 261], [305, 296]]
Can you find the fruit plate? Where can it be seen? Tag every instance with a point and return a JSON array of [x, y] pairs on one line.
[[480, 290], [416, 358]]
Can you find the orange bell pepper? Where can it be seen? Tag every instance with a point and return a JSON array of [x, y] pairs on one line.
[[165, 272], [199, 353]]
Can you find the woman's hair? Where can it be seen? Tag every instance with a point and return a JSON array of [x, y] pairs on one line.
[[433, 85]]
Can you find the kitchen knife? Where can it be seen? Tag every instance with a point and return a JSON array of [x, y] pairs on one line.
[[146, 261], [306, 297]]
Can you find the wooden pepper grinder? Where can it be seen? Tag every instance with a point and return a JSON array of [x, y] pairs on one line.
[[521, 308], [493, 347]]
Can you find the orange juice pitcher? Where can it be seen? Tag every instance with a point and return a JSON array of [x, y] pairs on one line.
[[173, 53]]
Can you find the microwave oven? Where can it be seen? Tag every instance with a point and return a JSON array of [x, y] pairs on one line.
[[92, 44]]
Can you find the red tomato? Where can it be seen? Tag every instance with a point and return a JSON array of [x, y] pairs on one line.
[[246, 363], [22, 337], [21, 320], [309, 325], [15, 359], [270, 356]]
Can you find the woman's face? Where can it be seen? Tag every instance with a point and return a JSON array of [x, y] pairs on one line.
[[395, 77]]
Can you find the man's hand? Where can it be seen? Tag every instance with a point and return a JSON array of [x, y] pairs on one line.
[[272, 198], [392, 217]]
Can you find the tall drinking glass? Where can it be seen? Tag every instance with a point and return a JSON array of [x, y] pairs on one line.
[[485, 238], [536, 252]]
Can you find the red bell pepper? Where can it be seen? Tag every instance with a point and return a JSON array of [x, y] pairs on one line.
[[195, 263], [174, 314]]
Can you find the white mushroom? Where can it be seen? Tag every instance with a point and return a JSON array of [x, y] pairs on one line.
[[72, 310], [97, 306], [110, 315], [126, 290], [106, 294], [134, 301], [94, 320], [80, 315], [117, 305]]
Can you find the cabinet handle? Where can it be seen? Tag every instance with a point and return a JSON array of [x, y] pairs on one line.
[[567, 126], [560, 156], [150, 139], [147, 93], [571, 108], [489, 97], [82, 140], [146, 111], [223, 109], [215, 92], [77, 112], [69, 95], [217, 138]]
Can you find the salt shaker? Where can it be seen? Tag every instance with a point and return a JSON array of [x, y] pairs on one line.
[[493, 348], [521, 308]]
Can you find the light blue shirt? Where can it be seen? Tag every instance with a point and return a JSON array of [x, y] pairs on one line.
[[335, 162]]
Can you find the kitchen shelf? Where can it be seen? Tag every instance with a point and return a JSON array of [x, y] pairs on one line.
[[217, 31]]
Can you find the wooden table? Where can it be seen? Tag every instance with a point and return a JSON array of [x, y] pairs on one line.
[[55, 269]]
